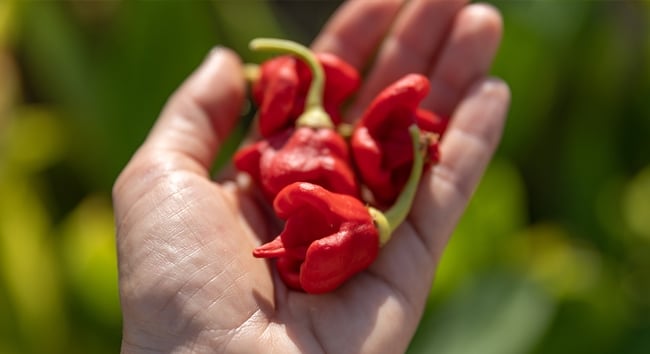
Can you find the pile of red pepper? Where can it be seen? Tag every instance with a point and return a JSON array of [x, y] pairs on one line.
[[341, 194]]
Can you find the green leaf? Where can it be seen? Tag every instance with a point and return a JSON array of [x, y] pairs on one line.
[[90, 260], [556, 259], [495, 313], [36, 138], [636, 204], [28, 267]]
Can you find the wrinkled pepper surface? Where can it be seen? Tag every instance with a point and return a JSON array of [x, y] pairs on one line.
[[327, 238], [283, 84], [304, 164], [303, 154], [309, 149], [380, 141]]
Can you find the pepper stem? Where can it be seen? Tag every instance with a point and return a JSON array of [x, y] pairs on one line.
[[252, 72], [393, 217], [314, 115]]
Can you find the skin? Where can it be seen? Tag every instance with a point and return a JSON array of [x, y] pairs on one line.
[[187, 279]]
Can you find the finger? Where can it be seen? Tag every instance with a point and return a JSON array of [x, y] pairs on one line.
[[411, 46], [201, 113], [467, 56], [466, 149], [408, 261], [356, 29]]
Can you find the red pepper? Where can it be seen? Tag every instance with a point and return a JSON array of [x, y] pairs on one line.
[[327, 238], [302, 154], [275, 93], [309, 150], [329, 234], [284, 82], [380, 142]]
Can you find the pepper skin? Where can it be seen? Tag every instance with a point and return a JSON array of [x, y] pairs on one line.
[[380, 143], [303, 154], [283, 85], [327, 238]]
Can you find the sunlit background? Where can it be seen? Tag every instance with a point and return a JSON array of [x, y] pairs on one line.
[[552, 255]]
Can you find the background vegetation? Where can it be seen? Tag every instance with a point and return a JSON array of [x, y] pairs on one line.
[[552, 255]]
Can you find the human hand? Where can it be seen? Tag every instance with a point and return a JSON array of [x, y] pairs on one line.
[[188, 281]]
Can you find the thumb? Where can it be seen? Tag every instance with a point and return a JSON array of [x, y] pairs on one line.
[[200, 114]]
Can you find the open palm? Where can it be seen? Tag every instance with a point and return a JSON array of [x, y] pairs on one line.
[[188, 281]]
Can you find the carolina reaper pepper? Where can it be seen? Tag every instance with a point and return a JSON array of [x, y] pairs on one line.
[[282, 88], [380, 140], [312, 151], [330, 234], [330, 237], [304, 154], [327, 238]]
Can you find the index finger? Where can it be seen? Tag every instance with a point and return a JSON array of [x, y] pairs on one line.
[[194, 122]]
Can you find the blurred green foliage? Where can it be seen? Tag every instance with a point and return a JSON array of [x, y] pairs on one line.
[[552, 255]]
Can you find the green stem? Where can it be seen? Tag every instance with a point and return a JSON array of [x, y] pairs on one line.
[[393, 217], [314, 114], [251, 72]]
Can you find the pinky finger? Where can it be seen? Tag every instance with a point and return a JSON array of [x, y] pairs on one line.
[[466, 149]]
